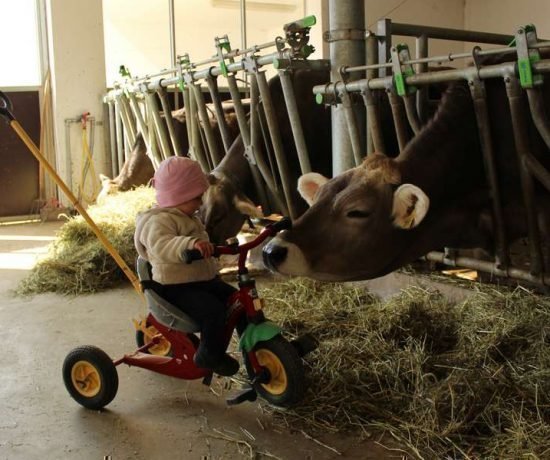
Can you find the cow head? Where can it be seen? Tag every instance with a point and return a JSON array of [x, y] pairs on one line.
[[225, 208], [357, 225], [108, 187]]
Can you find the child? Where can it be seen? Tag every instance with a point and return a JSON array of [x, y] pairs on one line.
[[162, 234]]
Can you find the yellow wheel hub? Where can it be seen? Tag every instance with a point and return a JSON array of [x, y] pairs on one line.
[[86, 379], [278, 382], [160, 349]]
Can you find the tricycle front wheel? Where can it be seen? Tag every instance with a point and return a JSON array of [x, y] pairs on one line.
[[90, 377], [286, 384]]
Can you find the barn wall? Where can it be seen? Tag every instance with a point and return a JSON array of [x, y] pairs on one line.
[[438, 13], [137, 31], [77, 64], [505, 16]]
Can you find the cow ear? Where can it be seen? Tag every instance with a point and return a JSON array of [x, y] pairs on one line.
[[410, 205], [246, 207], [308, 185]]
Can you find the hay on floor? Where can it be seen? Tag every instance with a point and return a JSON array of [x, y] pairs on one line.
[[77, 262], [447, 381]]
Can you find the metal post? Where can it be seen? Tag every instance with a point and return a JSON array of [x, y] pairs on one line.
[[112, 139], [214, 152], [119, 134], [160, 129], [173, 55], [127, 120], [212, 83], [239, 110], [479, 98], [519, 125], [163, 96], [142, 126], [422, 101], [347, 47], [295, 122], [399, 122], [275, 135], [372, 58], [384, 34], [195, 141]]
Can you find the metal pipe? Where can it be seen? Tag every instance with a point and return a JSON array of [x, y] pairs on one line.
[[520, 129], [491, 71], [160, 128], [119, 134], [173, 58], [538, 112], [68, 156], [352, 127], [295, 122], [347, 47], [537, 170], [129, 130], [213, 149], [489, 267], [187, 109], [399, 122], [422, 96], [442, 33], [195, 141], [255, 135], [374, 121], [479, 97], [112, 138], [409, 101], [142, 126], [275, 135], [212, 83], [239, 110], [163, 96], [153, 144], [372, 58]]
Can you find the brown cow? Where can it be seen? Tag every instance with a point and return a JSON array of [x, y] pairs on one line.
[[387, 212]]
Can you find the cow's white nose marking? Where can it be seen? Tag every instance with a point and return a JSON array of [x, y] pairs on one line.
[[294, 263]]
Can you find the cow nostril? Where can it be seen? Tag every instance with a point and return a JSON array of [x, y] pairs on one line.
[[274, 255]]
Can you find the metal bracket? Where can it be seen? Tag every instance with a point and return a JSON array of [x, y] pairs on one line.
[[297, 37], [526, 36], [399, 54], [336, 35], [222, 43]]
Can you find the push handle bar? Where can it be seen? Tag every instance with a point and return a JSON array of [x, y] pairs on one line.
[[189, 255], [6, 107]]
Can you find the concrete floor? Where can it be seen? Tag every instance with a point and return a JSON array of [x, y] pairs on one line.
[[152, 416]]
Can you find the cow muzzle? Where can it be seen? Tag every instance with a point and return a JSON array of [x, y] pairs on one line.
[[274, 255]]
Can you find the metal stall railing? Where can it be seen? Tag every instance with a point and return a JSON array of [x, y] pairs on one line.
[[135, 106], [406, 81]]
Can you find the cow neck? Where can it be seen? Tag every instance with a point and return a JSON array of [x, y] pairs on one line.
[[234, 165], [444, 150]]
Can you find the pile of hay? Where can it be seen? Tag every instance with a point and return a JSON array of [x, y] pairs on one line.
[[77, 262], [446, 381]]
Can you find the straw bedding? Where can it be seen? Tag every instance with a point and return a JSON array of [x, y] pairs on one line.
[[447, 381]]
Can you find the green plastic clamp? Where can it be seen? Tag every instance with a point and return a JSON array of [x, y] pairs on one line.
[[255, 333], [124, 72], [308, 21], [527, 35], [221, 45], [401, 72]]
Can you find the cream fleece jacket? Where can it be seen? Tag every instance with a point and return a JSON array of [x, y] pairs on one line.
[[161, 236]]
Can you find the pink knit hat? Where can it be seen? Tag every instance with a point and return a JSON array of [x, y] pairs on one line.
[[177, 180]]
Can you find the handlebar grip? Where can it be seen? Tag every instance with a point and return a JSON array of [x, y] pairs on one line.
[[6, 107], [189, 255], [284, 224]]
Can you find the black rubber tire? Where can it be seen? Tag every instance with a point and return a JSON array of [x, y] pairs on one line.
[[293, 368], [105, 372]]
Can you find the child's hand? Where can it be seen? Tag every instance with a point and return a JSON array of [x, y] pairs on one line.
[[206, 248]]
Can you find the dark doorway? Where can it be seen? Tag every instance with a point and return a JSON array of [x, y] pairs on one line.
[[18, 168]]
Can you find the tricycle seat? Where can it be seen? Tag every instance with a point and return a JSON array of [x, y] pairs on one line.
[[163, 311]]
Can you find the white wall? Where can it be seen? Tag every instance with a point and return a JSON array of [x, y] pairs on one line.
[[77, 63], [505, 16], [137, 31]]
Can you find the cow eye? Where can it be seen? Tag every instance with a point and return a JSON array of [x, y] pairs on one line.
[[357, 214]]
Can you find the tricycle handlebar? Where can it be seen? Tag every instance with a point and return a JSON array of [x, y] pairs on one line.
[[189, 255]]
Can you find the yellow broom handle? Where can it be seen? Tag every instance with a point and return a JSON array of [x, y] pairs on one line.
[[101, 237]]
